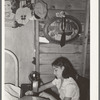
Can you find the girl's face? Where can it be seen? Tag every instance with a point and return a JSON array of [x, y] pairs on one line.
[[58, 71]]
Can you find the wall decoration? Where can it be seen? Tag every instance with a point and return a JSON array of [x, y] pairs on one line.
[[15, 5], [8, 10], [9, 15], [23, 15], [30, 4], [40, 10], [18, 13], [56, 26]]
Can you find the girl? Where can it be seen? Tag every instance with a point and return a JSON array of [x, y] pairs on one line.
[[64, 81]]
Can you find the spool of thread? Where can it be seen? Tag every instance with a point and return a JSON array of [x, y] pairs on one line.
[[35, 86]]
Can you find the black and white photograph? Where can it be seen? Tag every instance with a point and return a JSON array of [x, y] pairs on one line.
[[47, 50]]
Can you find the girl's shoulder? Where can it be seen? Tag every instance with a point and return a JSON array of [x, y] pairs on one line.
[[55, 81], [70, 81]]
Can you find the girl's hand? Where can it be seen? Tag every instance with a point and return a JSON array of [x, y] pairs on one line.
[[29, 93]]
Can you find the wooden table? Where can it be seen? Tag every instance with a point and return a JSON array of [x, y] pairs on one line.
[[33, 98]]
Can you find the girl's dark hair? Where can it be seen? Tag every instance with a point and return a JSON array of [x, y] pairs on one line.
[[69, 71]]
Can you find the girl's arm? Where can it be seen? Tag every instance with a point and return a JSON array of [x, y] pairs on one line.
[[45, 86], [66, 98], [41, 88]]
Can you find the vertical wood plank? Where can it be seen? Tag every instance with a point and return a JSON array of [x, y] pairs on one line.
[[37, 47], [85, 38]]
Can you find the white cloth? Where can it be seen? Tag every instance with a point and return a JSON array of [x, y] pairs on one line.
[[69, 88], [11, 92]]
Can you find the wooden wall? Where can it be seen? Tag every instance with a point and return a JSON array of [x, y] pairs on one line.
[[49, 52], [66, 4], [73, 50]]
